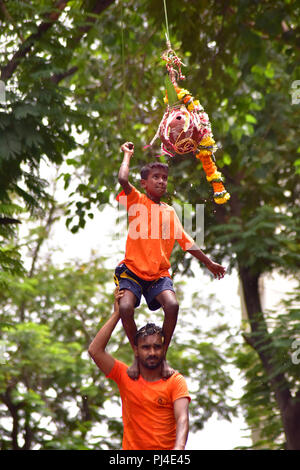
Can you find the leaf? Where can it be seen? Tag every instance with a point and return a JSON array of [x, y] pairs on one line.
[[251, 119], [171, 92]]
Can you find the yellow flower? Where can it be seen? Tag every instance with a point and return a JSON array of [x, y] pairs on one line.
[[217, 175], [182, 93], [222, 200], [207, 141]]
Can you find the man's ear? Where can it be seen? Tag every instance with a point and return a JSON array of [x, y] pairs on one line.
[[143, 183], [135, 350]]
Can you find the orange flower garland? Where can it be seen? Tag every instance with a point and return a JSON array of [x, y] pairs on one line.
[[213, 176]]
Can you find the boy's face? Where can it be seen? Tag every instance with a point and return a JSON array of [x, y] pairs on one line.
[[156, 183]]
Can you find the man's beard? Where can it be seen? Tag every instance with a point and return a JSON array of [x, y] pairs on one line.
[[151, 363]]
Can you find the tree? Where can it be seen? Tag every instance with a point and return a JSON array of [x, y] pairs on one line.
[[38, 43], [51, 395]]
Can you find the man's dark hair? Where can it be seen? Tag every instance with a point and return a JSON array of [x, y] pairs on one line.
[[147, 330], [151, 166]]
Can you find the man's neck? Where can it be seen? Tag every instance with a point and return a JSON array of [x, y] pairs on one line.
[[150, 375]]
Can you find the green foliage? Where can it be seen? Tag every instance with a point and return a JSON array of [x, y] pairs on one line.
[[46, 375], [10, 261]]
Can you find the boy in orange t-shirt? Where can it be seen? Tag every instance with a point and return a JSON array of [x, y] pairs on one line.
[[153, 229]]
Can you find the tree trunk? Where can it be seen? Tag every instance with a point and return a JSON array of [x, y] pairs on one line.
[[292, 425], [261, 341]]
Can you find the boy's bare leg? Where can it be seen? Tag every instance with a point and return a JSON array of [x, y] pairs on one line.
[[169, 303], [126, 308]]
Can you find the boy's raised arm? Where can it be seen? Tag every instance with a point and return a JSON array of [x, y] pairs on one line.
[[128, 149]]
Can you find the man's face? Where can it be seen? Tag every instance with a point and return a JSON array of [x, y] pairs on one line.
[[156, 183], [150, 351]]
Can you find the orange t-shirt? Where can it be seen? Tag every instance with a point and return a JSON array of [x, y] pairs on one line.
[[147, 409], [152, 231]]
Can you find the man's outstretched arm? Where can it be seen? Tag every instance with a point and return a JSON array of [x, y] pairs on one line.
[[181, 413], [96, 350]]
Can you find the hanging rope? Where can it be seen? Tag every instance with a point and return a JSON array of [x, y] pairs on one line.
[[123, 70], [167, 24], [173, 63]]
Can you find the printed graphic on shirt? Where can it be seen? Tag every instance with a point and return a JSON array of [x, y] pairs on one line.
[[161, 401]]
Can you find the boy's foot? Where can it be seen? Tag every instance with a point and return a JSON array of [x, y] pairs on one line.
[[166, 370], [134, 371]]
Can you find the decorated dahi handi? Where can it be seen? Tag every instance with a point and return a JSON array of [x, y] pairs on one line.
[[185, 128]]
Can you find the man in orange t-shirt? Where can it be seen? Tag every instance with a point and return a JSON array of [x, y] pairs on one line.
[[153, 229], [154, 410]]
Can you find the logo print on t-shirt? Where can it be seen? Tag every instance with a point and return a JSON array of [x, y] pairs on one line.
[[161, 401]]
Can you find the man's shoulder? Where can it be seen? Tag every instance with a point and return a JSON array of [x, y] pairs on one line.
[[178, 387], [177, 376], [118, 370], [176, 380]]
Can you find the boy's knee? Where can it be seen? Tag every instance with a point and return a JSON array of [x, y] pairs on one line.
[[172, 307], [126, 309]]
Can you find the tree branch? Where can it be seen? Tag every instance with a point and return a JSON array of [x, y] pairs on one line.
[[58, 77], [8, 221], [285, 36], [13, 409], [100, 6], [8, 70], [7, 15]]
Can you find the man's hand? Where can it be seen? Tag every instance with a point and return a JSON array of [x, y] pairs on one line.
[[217, 270], [118, 294]]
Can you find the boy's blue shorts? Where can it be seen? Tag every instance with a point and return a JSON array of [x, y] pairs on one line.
[[126, 279]]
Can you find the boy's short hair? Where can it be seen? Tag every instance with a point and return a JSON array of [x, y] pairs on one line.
[[148, 330], [150, 166]]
